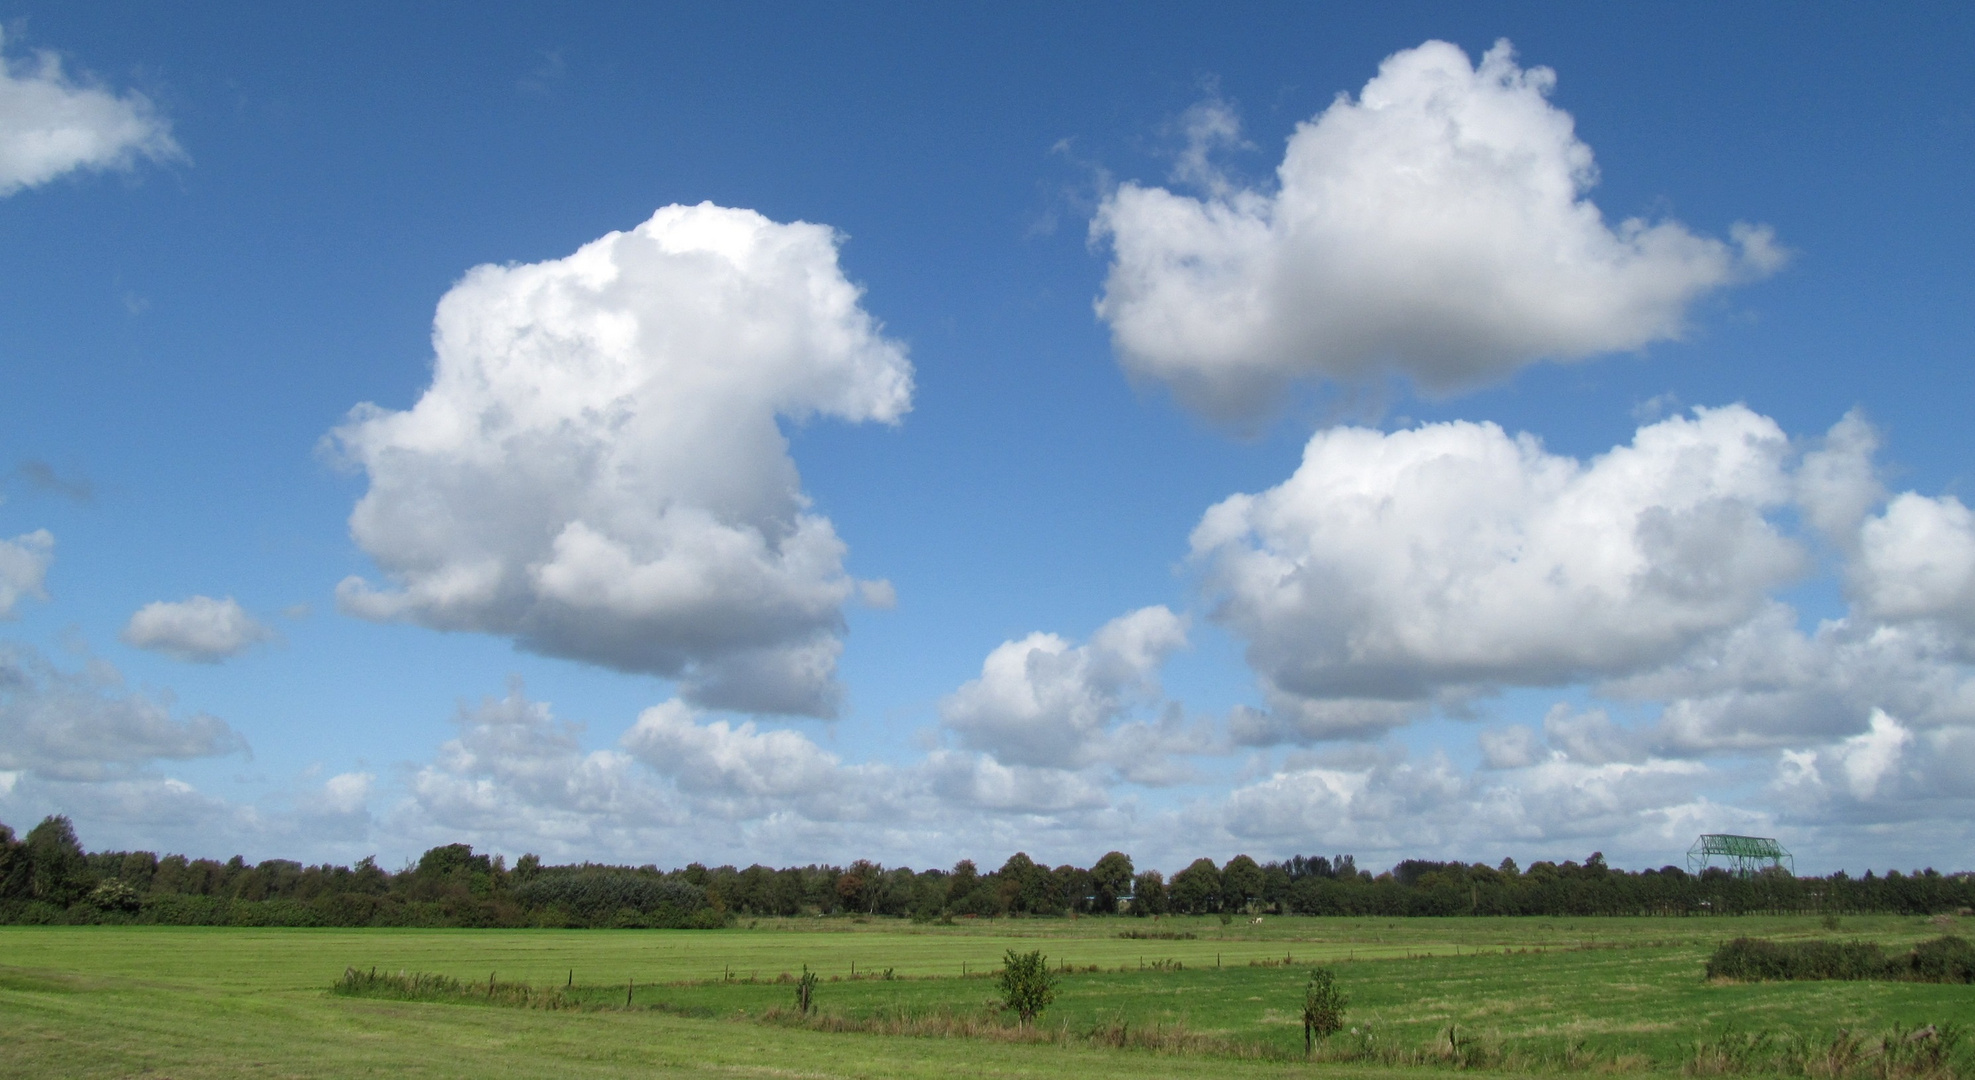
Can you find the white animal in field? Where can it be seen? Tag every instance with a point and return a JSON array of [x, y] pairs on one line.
[[1256, 921]]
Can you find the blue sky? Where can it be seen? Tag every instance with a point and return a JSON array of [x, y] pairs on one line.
[[1116, 306]]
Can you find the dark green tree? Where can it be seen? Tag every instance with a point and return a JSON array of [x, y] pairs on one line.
[[14, 870], [1022, 884], [1241, 883], [1071, 889], [1149, 896], [58, 873], [964, 879], [1196, 890], [1111, 878]]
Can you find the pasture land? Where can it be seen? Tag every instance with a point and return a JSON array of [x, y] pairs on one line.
[[1534, 995]]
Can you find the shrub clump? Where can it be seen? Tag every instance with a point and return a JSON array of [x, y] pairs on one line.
[[1947, 959], [1027, 985], [1323, 1009]]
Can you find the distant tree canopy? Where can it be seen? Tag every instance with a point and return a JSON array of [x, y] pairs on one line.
[[47, 877]]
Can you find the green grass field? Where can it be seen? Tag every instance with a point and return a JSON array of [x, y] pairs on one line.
[[1592, 995]]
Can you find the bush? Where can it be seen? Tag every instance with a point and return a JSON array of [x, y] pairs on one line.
[[114, 895], [1323, 1009], [1027, 986], [1946, 959]]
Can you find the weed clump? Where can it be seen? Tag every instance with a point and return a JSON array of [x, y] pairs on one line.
[[422, 986], [1902, 1053]]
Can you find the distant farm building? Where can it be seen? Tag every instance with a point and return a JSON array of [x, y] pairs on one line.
[[1743, 856]]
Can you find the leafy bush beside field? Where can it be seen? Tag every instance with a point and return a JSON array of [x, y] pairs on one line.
[[1947, 959]]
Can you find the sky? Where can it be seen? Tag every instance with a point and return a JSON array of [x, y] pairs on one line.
[[783, 433]]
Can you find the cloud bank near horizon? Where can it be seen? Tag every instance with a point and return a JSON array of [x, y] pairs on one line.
[[1709, 706]]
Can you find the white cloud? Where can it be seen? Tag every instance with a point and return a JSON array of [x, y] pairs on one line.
[[1917, 561], [1512, 747], [197, 630], [1591, 738], [679, 785], [1902, 650], [1394, 807], [979, 782], [1395, 571], [142, 810], [1767, 685], [85, 726], [879, 594], [1042, 701], [597, 468], [1891, 772], [753, 772], [51, 125], [1436, 227], [1867, 758], [24, 562], [346, 793], [1837, 483], [516, 773]]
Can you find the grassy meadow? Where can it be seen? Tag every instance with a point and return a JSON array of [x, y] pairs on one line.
[[1537, 995]]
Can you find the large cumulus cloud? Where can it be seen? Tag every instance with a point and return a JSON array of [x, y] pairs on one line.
[[1437, 227], [597, 468], [1917, 562], [1396, 570]]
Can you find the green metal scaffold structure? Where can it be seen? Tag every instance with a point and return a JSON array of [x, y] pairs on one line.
[[1746, 856]]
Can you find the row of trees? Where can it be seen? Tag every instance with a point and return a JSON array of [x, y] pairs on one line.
[[46, 876]]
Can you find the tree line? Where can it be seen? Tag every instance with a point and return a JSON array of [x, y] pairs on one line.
[[47, 877]]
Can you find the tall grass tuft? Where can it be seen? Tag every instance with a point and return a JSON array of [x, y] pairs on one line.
[[1901, 1053], [422, 986]]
